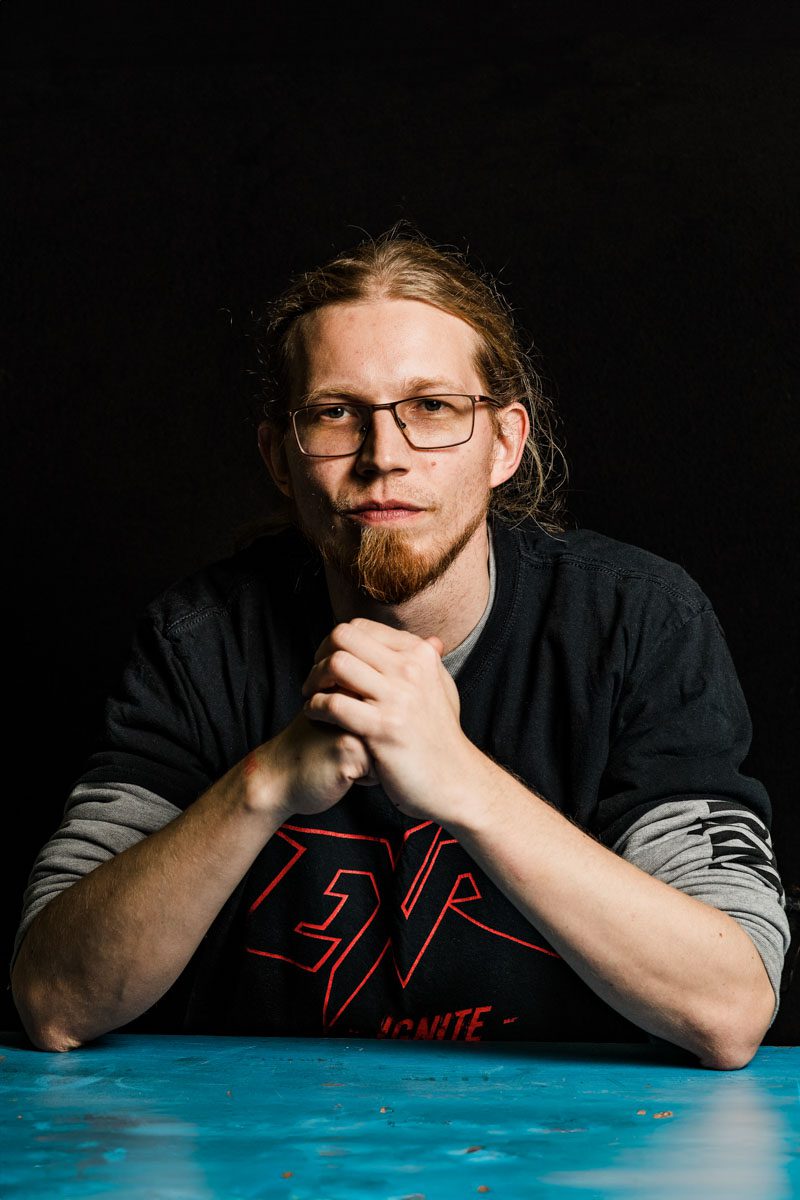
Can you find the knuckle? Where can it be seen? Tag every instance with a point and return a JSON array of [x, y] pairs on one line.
[[347, 745], [394, 723], [339, 635], [425, 653], [409, 670], [315, 705], [337, 660]]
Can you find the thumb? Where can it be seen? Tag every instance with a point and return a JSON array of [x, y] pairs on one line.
[[437, 644]]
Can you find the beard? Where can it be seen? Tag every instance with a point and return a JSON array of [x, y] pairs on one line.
[[384, 565]]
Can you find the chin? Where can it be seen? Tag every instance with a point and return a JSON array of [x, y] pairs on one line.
[[384, 565], [390, 570]]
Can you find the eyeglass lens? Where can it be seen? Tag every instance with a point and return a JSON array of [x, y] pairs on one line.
[[429, 422]]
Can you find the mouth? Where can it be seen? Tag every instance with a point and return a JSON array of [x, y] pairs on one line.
[[381, 512]]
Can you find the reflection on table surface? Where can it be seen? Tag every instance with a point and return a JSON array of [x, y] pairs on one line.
[[331, 1118]]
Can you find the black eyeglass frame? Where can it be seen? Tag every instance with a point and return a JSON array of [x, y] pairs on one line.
[[372, 408]]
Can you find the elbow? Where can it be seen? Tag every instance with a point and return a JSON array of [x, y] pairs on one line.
[[732, 1057], [45, 1036], [52, 1040], [43, 1033], [739, 1029], [731, 1048], [735, 1047]]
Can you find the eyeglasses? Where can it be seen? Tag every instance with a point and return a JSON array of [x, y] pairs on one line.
[[337, 430]]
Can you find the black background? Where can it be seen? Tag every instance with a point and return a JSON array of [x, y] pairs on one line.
[[629, 177]]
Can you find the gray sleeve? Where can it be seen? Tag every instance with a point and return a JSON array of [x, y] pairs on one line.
[[99, 821], [720, 853]]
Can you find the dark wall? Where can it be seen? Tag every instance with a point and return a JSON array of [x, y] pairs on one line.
[[633, 184]]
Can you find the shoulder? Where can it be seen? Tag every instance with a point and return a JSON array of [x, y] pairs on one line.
[[594, 562], [248, 579]]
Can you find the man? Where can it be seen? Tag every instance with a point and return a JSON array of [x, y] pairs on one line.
[[299, 823]]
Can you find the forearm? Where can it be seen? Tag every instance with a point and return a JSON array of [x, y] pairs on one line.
[[110, 945], [671, 964]]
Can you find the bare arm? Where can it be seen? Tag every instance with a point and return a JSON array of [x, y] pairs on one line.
[[109, 946], [671, 964]]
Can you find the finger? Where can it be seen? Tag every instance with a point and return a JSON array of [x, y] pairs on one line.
[[437, 644], [365, 644], [335, 708], [344, 670], [396, 639], [393, 639], [371, 641]]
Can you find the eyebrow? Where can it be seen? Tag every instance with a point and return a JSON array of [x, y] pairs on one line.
[[418, 386]]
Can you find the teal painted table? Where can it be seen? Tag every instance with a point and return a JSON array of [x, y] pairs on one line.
[[329, 1119]]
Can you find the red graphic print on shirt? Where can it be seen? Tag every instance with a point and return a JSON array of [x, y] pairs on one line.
[[344, 933]]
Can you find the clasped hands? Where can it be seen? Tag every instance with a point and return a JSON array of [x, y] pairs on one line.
[[389, 689]]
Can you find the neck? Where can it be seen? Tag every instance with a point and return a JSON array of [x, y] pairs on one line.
[[449, 608]]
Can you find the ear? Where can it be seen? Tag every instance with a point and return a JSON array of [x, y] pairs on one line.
[[509, 442], [272, 448]]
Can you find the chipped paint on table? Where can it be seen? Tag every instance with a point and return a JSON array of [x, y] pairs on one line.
[[190, 1118]]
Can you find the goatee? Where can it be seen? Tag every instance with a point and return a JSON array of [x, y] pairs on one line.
[[385, 566]]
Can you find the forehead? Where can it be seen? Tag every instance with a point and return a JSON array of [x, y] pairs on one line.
[[378, 344]]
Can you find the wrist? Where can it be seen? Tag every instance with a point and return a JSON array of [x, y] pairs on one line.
[[263, 785], [473, 785]]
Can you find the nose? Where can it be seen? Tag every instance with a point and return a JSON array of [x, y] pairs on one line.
[[385, 448]]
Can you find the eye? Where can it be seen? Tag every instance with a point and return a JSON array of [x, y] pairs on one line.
[[430, 405], [330, 413]]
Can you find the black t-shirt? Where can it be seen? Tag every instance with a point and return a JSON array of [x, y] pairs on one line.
[[601, 679]]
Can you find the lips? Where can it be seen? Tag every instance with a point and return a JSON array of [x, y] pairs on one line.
[[383, 505], [385, 513]]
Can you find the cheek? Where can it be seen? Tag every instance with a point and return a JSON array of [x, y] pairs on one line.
[[319, 490], [473, 476], [310, 478]]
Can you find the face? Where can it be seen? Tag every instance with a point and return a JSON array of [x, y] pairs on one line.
[[432, 501]]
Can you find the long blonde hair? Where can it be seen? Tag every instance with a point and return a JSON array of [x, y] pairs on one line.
[[403, 264]]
